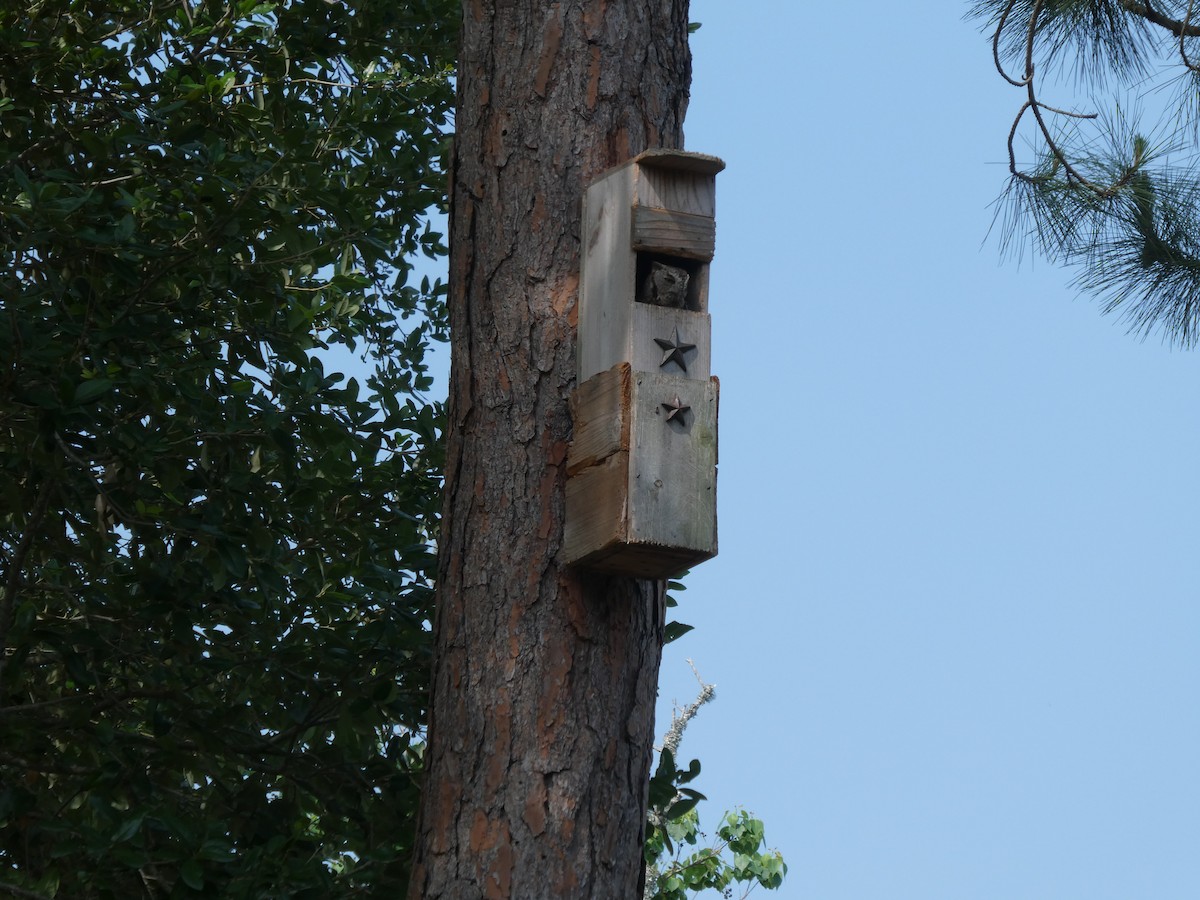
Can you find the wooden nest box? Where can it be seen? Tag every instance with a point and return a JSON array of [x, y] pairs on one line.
[[642, 468]]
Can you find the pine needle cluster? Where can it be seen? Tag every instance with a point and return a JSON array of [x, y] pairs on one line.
[[1103, 192]]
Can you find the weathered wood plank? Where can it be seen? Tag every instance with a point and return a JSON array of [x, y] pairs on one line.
[[642, 561], [673, 476], [596, 512], [682, 191], [600, 413], [680, 160], [607, 272], [674, 233], [651, 322]]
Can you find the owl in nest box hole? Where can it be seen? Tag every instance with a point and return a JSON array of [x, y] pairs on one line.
[[664, 285]]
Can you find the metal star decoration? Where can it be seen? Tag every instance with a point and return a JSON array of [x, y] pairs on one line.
[[675, 409], [674, 349]]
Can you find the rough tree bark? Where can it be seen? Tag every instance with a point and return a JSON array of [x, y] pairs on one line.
[[545, 678]]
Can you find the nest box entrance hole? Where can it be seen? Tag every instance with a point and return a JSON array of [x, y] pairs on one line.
[[674, 282]]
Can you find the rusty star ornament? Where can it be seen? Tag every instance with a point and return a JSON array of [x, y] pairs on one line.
[[674, 349], [675, 409]]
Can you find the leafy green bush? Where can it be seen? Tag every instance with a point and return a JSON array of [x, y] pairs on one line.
[[215, 563]]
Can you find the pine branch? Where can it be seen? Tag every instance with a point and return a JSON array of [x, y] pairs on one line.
[[1178, 28]]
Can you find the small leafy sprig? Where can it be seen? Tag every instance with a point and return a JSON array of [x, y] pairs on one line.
[[735, 856]]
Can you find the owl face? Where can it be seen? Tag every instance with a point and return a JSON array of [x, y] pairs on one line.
[[665, 286]]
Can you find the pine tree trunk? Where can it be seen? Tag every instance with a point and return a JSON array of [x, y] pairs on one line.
[[545, 678]]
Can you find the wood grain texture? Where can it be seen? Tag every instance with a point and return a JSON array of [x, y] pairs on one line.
[[679, 188], [545, 677], [608, 272], [680, 161], [673, 472], [650, 322], [600, 410], [598, 513], [673, 232]]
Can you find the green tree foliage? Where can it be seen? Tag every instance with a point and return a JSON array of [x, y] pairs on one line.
[[215, 567], [1101, 192], [736, 856]]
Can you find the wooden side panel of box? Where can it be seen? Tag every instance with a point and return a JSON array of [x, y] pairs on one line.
[[600, 412], [598, 464], [596, 510], [607, 274]]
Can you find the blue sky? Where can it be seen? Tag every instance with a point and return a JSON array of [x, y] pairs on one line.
[[954, 621]]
